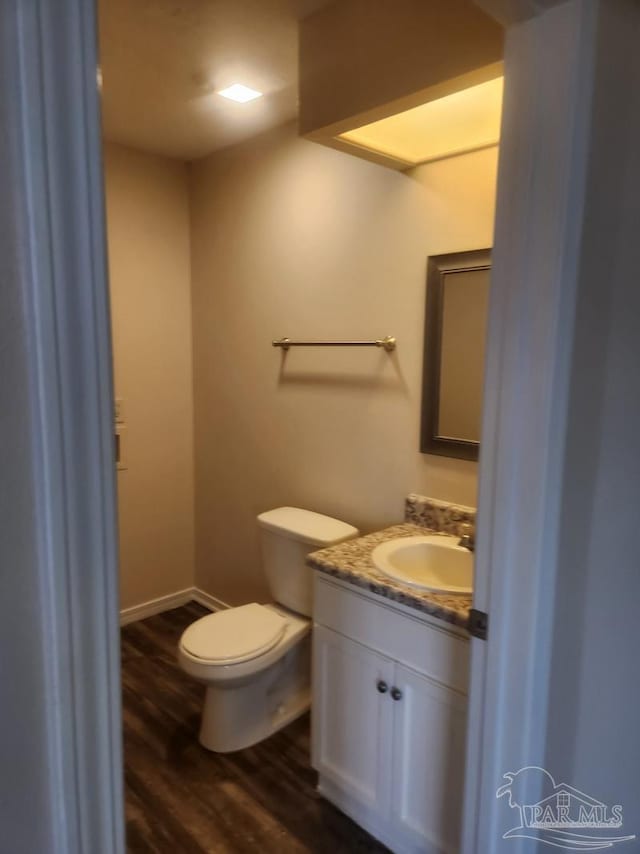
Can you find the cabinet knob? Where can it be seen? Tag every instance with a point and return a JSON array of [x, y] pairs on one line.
[[382, 686], [396, 693]]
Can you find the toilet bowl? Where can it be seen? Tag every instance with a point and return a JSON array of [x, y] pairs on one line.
[[255, 659], [257, 678]]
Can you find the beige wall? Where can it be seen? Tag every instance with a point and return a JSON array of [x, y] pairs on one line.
[[291, 238], [149, 270]]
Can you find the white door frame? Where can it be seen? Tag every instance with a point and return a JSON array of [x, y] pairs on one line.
[[540, 180], [48, 91], [552, 63], [50, 49]]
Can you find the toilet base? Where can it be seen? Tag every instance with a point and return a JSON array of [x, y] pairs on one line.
[[238, 716]]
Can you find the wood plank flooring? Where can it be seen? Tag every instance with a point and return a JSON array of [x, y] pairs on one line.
[[181, 798]]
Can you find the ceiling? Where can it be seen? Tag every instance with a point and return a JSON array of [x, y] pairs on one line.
[[162, 61]]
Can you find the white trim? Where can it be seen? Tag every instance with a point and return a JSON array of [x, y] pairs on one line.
[[156, 606], [550, 62], [49, 84], [168, 602], [209, 601]]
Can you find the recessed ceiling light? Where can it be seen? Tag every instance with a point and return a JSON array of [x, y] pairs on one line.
[[240, 93]]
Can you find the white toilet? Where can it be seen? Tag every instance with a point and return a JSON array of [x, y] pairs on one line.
[[255, 659]]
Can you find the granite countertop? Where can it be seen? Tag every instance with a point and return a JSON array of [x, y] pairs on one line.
[[351, 561]]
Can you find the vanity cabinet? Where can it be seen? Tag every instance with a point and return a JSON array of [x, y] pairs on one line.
[[429, 732], [389, 717], [351, 722]]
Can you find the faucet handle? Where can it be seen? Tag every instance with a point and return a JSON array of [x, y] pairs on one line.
[[467, 536]]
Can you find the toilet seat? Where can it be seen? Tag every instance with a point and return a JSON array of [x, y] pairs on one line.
[[234, 635]]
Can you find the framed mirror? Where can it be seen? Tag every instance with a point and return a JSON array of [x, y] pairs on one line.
[[454, 344]]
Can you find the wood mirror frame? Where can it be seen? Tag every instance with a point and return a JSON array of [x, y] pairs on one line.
[[438, 267]]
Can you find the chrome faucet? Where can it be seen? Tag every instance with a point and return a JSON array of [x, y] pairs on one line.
[[467, 537]]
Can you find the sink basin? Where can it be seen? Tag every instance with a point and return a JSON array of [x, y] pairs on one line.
[[429, 562]]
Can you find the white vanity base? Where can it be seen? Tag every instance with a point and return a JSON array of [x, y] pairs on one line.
[[366, 818], [389, 717]]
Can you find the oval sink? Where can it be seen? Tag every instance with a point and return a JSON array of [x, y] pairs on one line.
[[429, 562]]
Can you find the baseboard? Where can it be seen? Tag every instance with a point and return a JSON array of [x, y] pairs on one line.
[[209, 601], [166, 603]]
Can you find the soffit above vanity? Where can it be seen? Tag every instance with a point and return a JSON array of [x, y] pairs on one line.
[[404, 82]]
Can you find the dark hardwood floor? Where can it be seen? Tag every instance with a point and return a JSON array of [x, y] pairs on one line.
[[180, 798]]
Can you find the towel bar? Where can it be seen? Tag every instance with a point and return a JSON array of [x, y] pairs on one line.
[[388, 343]]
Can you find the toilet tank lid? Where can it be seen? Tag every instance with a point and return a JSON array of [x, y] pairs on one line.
[[307, 526]]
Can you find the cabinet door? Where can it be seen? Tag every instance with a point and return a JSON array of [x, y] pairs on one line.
[[429, 733], [352, 717]]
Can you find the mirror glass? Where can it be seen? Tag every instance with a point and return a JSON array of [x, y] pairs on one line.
[[455, 333]]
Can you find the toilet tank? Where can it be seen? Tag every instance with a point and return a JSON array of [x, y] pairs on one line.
[[287, 535]]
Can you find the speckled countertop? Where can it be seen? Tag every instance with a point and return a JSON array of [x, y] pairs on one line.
[[351, 561]]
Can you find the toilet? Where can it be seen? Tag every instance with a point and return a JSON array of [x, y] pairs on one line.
[[255, 660]]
